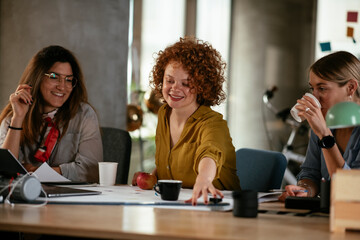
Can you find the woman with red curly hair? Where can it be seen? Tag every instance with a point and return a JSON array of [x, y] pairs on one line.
[[193, 142]]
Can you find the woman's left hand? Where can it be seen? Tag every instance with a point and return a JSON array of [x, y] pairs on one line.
[[203, 186], [29, 167]]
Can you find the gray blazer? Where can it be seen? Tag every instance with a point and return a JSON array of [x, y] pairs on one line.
[[78, 152]]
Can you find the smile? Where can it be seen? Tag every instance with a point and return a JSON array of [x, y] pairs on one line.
[[58, 94], [175, 98]]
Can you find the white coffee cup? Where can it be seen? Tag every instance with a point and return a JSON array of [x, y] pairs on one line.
[[107, 173], [294, 112]]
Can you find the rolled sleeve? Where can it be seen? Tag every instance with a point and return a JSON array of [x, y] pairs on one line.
[[214, 139], [211, 151]]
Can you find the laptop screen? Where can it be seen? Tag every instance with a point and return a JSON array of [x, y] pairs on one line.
[[9, 165]]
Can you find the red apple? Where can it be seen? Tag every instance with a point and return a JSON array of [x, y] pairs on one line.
[[146, 181], [134, 180]]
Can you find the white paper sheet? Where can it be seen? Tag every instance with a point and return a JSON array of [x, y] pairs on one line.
[[133, 195], [128, 195], [46, 174], [268, 196]]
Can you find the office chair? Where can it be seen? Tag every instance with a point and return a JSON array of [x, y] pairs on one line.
[[117, 148], [260, 170]]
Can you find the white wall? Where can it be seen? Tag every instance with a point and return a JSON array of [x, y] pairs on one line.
[[331, 26]]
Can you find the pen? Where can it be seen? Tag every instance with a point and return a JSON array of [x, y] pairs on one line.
[[283, 190]]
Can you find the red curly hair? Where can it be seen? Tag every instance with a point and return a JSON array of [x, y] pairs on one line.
[[203, 64]]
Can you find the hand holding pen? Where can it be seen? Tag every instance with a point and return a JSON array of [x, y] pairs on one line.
[[293, 190]]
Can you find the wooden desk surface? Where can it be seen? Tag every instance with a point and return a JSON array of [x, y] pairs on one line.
[[138, 222]]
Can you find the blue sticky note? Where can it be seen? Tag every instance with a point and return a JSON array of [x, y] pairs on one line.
[[325, 46]]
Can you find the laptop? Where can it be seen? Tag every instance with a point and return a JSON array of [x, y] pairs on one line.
[[61, 191], [10, 166]]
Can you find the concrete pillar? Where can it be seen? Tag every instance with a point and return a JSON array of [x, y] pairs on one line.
[[96, 31]]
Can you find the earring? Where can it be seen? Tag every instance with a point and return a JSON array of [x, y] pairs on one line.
[[350, 98]]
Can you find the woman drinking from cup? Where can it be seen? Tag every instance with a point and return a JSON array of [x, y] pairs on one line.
[[332, 79]]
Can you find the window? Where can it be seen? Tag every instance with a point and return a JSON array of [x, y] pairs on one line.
[[163, 23], [213, 21]]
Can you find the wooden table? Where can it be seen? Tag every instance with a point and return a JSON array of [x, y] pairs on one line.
[[139, 222]]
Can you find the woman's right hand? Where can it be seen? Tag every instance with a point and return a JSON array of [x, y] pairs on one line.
[[293, 190], [20, 100], [309, 110]]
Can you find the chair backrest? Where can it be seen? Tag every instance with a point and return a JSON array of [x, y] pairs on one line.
[[117, 148], [260, 170]]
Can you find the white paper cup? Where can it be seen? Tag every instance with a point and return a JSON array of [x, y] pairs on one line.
[[294, 112], [107, 173]]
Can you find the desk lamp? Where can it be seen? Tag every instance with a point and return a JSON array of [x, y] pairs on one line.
[[343, 114]]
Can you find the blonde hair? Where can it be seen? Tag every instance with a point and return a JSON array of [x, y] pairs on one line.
[[339, 67]]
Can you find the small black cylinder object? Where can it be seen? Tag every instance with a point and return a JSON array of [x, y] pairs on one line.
[[168, 189], [27, 188], [245, 203], [325, 196]]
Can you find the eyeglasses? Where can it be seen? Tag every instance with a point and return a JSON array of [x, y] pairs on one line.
[[55, 78]]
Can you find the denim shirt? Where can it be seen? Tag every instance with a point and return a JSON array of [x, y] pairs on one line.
[[314, 167]]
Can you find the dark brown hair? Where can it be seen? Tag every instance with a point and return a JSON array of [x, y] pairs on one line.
[[203, 64], [33, 75]]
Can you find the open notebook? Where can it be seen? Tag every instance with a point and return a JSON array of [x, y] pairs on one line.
[[10, 166]]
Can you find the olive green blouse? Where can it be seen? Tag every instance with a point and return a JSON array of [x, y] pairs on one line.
[[205, 134]]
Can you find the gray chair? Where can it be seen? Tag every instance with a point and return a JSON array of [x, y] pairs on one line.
[[117, 148], [260, 170]]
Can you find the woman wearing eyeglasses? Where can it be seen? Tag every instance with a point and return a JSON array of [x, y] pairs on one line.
[[48, 118]]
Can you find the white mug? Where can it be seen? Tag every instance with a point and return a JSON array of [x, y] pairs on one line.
[[294, 112]]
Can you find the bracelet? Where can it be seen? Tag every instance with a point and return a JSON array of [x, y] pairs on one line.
[[15, 128]]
